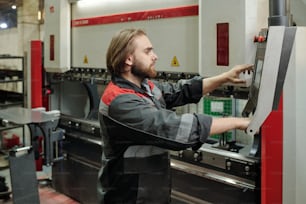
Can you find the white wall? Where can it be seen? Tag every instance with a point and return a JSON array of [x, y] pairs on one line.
[[298, 11], [90, 8], [15, 41], [245, 19], [170, 36], [9, 41]]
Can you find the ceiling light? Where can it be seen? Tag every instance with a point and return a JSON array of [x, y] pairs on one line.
[[14, 6], [3, 25]]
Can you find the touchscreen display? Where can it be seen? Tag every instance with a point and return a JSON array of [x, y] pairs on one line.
[[258, 71]]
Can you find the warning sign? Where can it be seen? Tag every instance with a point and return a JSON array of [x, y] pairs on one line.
[[175, 62], [85, 61]]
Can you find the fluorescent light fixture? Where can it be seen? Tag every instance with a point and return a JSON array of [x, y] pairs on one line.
[[85, 3], [73, 1], [39, 15]]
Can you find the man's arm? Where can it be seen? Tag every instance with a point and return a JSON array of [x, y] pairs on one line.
[[211, 83]]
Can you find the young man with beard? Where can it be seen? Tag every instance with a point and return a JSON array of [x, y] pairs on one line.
[[136, 165]]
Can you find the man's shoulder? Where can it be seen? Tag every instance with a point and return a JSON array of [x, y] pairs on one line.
[[112, 91]]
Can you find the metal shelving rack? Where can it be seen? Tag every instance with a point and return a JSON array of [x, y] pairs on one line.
[[12, 98]]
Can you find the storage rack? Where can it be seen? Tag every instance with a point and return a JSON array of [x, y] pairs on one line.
[[11, 98]]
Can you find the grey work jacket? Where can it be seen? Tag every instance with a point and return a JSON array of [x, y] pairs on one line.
[[138, 128]]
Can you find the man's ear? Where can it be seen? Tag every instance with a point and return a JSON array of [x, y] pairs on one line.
[[129, 60]]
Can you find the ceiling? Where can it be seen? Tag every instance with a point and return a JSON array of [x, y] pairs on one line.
[[6, 4], [8, 16]]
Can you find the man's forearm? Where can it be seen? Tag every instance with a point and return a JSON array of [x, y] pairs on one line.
[[211, 83]]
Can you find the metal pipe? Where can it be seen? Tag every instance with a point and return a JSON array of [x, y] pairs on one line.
[[278, 13]]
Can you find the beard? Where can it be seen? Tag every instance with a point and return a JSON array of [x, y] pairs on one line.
[[140, 70]]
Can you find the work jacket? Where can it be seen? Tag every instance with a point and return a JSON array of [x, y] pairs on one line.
[[138, 127]]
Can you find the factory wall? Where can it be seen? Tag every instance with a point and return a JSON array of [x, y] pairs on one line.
[[172, 37], [244, 19], [15, 41], [298, 8], [9, 42]]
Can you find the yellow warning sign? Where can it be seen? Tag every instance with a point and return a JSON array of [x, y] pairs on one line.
[[85, 61], [175, 62]]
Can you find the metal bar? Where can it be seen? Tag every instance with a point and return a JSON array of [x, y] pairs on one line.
[[212, 175]]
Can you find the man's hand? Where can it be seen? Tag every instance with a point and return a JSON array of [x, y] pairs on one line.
[[232, 75], [221, 125]]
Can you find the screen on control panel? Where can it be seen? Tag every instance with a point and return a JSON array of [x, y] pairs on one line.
[[254, 88], [257, 77]]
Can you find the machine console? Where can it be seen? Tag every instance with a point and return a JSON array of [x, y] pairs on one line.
[[271, 63], [258, 65]]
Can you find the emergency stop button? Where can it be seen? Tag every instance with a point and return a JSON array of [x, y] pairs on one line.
[[259, 39]]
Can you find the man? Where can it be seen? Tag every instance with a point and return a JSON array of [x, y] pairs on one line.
[[136, 167]]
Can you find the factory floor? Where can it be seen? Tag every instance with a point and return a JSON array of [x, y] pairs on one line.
[[47, 195]]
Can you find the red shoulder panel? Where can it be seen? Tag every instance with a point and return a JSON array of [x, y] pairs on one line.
[[151, 84], [112, 91]]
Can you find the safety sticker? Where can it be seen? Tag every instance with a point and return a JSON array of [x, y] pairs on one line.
[[85, 61], [175, 62]]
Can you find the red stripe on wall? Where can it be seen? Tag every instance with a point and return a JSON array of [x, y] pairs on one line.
[[138, 16]]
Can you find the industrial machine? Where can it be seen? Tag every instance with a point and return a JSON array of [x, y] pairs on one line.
[[198, 176], [219, 165], [221, 171]]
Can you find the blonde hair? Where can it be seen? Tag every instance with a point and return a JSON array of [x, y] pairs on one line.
[[119, 48]]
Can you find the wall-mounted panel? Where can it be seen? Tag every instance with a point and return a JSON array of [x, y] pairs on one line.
[[57, 36]]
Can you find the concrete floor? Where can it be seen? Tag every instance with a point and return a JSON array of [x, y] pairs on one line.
[[47, 195]]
